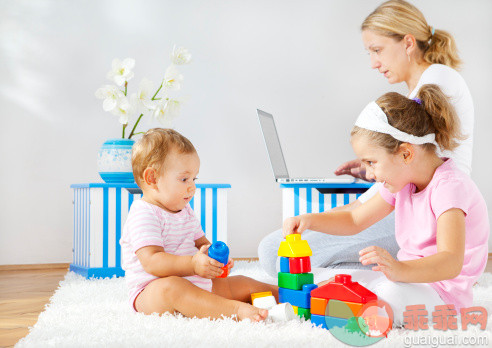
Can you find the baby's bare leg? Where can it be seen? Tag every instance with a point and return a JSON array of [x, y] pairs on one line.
[[175, 294], [240, 288]]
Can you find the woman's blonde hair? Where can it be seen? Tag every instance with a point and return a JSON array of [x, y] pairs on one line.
[[397, 18], [152, 149], [432, 113]]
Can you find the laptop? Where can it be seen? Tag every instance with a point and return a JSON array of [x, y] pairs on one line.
[[276, 155]]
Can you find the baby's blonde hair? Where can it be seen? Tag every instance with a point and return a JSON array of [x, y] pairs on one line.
[[152, 149], [397, 18]]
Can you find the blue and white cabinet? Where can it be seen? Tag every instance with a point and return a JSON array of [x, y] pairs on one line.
[[100, 211], [305, 198]]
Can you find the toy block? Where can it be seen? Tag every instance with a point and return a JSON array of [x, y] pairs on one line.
[[318, 305], [225, 272], [295, 309], [265, 302], [344, 289], [219, 251], [300, 264], [294, 246], [353, 306], [332, 322], [319, 320], [304, 312], [299, 298], [256, 295], [339, 309], [284, 265], [294, 281]]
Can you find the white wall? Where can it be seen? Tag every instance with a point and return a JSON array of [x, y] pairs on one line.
[[301, 60]]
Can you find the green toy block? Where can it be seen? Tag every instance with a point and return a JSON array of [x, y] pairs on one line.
[[294, 281], [339, 309], [304, 312]]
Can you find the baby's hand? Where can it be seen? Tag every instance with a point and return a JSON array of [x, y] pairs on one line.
[[230, 264], [296, 224], [385, 262], [205, 266]]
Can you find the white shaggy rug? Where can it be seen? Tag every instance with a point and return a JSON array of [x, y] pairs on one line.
[[95, 313]]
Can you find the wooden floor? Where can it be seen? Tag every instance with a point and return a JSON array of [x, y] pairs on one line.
[[24, 293]]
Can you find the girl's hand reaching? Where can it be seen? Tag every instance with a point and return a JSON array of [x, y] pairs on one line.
[[205, 266], [296, 224], [391, 268]]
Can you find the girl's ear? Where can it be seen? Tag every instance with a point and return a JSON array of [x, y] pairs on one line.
[[406, 153], [150, 176]]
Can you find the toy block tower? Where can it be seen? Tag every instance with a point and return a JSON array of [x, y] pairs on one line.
[[336, 303], [294, 279]]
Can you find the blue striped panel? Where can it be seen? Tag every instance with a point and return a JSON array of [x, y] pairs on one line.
[[321, 202], [214, 215], [118, 227], [309, 208], [84, 225], [346, 198], [130, 200], [296, 201], [74, 225], [192, 203], [202, 208], [105, 226], [333, 200], [77, 243], [89, 231]]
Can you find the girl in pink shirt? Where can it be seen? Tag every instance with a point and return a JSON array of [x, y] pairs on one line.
[[164, 249], [441, 218]]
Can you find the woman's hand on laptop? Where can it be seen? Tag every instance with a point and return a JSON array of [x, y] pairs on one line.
[[354, 168], [296, 224]]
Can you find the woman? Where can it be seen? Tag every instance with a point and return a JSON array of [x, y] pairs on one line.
[[404, 48]]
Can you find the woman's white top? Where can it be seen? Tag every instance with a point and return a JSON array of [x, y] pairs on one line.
[[454, 86]]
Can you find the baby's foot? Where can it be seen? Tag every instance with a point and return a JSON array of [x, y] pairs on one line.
[[247, 311]]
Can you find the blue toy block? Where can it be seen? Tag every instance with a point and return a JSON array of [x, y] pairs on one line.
[[219, 251], [284, 265], [299, 298], [319, 320], [328, 322], [332, 322]]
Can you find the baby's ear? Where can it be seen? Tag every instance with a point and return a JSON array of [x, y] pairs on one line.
[[150, 176]]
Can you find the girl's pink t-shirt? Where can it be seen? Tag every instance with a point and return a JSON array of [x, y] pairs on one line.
[[416, 216], [147, 225]]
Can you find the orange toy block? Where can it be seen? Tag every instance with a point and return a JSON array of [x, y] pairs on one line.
[[318, 305]]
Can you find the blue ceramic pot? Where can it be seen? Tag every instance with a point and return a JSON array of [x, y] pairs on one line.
[[114, 161]]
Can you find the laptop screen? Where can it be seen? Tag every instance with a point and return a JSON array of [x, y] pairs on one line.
[[273, 145]]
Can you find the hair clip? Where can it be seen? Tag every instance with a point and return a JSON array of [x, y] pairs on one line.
[[417, 100]]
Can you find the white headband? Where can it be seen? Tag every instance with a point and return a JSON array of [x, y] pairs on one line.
[[374, 119]]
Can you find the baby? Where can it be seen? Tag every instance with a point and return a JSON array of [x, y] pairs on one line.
[[163, 246]]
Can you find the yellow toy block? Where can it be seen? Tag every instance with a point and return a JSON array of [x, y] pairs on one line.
[[294, 246], [260, 294], [295, 309]]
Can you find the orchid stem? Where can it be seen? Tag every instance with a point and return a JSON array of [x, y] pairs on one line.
[[135, 126], [124, 126]]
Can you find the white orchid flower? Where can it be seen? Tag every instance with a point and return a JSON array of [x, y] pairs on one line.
[[145, 93], [111, 94], [172, 78], [121, 71], [180, 56], [167, 110], [124, 110]]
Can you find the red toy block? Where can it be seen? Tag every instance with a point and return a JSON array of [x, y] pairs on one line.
[[225, 272], [300, 264], [344, 289]]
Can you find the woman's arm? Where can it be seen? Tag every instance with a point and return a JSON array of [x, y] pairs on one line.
[[344, 223], [445, 264]]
